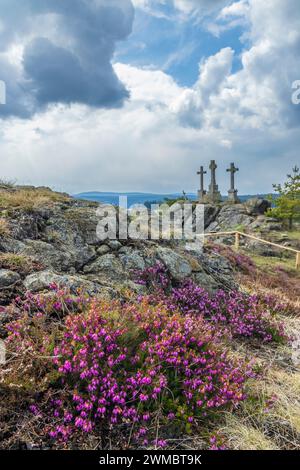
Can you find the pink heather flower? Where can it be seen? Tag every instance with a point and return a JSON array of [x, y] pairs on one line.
[[146, 381], [144, 397], [79, 422], [34, 409], [160, 443]]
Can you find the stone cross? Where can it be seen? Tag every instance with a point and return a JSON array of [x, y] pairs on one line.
[[232, 170], [201, 173], [214, 195], [202, 192], [232, 193], [213, 166]]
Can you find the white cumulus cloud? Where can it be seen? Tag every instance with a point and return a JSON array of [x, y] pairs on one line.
[[165, 131]]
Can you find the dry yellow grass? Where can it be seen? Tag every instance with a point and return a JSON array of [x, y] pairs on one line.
[[28, 199], [270, 417], [242, 436], [18, 262], [4, 228]]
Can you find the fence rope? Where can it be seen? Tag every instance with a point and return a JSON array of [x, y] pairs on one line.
[[238, 235]]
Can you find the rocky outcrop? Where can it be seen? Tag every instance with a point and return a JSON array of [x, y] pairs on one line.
[[257, 206], [61, 236], [249, 215]]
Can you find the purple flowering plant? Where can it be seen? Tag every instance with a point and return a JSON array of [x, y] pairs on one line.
[[150, 366]]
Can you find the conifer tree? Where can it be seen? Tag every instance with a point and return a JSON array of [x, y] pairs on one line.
[[287, 203]]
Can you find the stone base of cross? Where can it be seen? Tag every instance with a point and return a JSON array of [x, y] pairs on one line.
[[201, 196], [233, 197], [214, 195]]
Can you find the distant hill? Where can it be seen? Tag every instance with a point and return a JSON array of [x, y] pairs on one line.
[[142, 198], [132, 198]]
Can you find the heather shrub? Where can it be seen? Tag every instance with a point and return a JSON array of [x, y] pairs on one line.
[[241, 314], [148, 369], [238, 260], [33, 333], [57, 303], [136, 366], [155, 278], [29, 367], [280, 280]]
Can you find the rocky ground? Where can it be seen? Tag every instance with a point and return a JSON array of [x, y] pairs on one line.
[[48, 237], [52, 238]]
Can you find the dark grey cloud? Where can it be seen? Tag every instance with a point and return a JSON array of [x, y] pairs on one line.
[[67, 51]]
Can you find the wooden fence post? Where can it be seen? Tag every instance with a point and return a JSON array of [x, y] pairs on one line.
[[237, 240], [298, 260], [238, 235]]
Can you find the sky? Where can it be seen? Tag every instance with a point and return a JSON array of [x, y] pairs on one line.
[[135, 95]]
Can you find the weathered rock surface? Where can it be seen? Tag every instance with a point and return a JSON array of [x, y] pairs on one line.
[[8, 278], [103, 250], [250, 216], [49, 255], [42, 280], [62, 237], [107, 264], [178, 266], [131, 259], [257, 206]]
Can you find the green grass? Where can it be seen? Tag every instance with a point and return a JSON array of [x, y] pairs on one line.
[[294, 234], [269, 262]]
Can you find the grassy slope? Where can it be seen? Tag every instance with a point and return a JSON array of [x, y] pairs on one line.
[[270, 418]]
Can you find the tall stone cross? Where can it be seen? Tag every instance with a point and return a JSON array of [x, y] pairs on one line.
[[232, 193], [213, 166], [213, 193], [202, 192]]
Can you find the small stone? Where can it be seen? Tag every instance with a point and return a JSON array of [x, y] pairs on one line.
[[108, 264], [103, 250], [8, 278], [132, 259], [114, 245]]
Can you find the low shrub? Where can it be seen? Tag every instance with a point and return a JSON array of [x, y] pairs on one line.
[[148, 369], [137, 366], [155, 278], [241, 314], [238, 260], [28, 199], [20, 263]]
